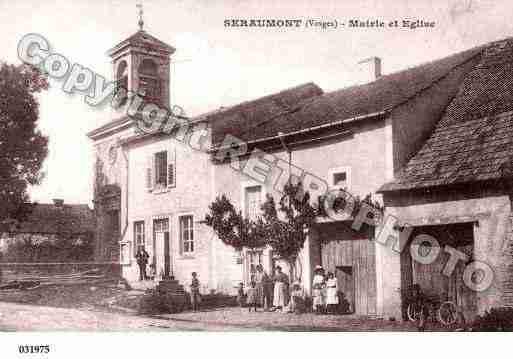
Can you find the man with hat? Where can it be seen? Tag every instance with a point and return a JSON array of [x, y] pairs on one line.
[[264, 285]]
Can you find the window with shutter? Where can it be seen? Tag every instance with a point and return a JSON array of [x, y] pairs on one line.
[[186, 234], [253, 259], [138, 236], [149, 174], [171, 175], [171, 169], [161, 169], [253, 198]]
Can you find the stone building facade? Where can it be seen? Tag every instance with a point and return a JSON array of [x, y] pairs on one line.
[[154, 190]]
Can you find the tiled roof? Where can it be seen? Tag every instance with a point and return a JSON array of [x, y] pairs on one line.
[[124, 120], [50, 219], [242, 120], [306, 106], [473, 141], [144, 39]]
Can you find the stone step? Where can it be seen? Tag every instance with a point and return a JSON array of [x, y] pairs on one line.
[[170, 286], [174, 292]]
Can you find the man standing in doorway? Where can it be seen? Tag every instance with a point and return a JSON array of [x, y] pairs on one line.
[[264, 285], [142, 260]]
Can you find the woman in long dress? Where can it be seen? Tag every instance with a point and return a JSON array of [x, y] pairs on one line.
[[331, 293], [318, 285], [281, 282]]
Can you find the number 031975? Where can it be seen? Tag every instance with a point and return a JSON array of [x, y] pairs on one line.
[[34, 349]]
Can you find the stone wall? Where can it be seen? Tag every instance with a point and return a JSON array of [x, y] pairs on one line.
[[190, 196], [109, 178], [489, 209], [364, 153]]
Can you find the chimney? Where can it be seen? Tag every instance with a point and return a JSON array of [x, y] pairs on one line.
[[369, 69], [58, 202]]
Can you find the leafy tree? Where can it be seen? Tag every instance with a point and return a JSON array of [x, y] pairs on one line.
[[287, 224], [22, 146], [282, 227], [338, 203], [231, 226]]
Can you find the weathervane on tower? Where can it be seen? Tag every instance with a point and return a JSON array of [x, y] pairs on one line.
[[141, 21]]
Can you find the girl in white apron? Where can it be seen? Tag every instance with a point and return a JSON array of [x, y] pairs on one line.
[[281, 282], [331, 293]]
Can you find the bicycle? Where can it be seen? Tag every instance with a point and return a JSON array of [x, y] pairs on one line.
[[421, 308], [445, 312]]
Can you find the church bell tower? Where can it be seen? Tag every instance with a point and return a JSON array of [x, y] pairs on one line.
[[141, 64]]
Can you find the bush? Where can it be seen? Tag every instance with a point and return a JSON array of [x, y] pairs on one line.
[[31, 248], [495, 320], [153, 302], [217, 300]]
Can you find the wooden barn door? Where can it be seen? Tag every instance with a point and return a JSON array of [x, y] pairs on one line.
[[431, 279], [345, 282], [365, 276], [464, 297], [351, 256]]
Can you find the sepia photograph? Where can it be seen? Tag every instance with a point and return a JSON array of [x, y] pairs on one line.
[[255, 166]]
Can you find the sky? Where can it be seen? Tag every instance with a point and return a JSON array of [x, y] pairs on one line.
[[218, 66]]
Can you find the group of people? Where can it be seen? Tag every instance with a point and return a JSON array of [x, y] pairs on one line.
[[324, 291], [276, 294], [272, 293]]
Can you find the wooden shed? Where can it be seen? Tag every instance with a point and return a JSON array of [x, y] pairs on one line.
[[351, 257]]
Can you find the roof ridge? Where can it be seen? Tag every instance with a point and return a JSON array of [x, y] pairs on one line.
[[52, 204], [266, 97], [387, 76], [429, 62], [436, 80], [469, 127]]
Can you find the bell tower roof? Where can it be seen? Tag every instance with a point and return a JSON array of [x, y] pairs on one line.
[[141, 39]]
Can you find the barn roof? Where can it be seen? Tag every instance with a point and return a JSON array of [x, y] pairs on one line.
[[306, 106], [45, 218], [473, 141]]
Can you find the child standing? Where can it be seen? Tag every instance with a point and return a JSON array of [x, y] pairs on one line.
[[195, 294], [297, 299], [331, 293], [318, 286], [240, 294], [252, 300]]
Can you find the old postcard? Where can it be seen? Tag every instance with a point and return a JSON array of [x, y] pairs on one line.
[[255, 166]]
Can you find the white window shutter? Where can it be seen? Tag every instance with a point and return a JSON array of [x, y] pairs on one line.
[[180, 235], [149, 173], [171, 169]]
